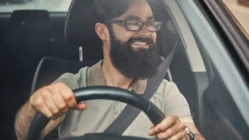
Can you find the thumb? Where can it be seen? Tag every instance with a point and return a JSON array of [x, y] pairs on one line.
[[81, 106], [151, 131]]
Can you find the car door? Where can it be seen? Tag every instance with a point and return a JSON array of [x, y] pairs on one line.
[[225, 44]]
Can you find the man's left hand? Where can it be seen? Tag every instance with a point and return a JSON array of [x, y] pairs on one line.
[[171, 128]]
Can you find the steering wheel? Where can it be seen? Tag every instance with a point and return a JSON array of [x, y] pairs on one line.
[[101, 92]]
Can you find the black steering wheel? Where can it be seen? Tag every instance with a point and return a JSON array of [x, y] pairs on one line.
[[101, 92]]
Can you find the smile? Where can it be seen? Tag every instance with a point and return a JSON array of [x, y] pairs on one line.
[[140, 44]]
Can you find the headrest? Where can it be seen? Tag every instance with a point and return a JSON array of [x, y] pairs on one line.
[[24, 16], [80, 26], [31, 21]]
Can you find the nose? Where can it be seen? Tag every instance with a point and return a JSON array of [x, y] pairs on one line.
[[144, 31]]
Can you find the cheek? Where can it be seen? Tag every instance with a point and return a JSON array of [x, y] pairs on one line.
[[124, 35], [121, 33], [128, 35], [154, 36]]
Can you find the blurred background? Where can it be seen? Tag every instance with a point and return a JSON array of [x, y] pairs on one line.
[[240, 11]]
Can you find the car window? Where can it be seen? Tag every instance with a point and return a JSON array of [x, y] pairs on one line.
[[239, 11], [7, 6], [226, 95]]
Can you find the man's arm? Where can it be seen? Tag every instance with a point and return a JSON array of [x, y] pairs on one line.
[[178, 117], [24, 117], [52, 101], [171, 128]]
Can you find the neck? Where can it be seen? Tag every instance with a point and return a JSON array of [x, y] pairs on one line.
[[112, 76]]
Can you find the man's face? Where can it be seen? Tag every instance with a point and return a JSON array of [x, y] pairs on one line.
[[134, 53], [141, 11]]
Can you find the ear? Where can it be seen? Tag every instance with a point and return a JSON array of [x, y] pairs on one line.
[[101, 31]]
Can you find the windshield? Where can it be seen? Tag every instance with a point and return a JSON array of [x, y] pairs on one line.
[[8, 6]]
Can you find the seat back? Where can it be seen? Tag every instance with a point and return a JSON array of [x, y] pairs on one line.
[[29, 38], [26, 40], [50, 69]]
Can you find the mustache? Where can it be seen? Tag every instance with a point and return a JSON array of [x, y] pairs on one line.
[[141, 39]]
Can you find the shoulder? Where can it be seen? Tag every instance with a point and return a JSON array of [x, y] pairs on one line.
[[73, 80], [167, 87], [172, 100]]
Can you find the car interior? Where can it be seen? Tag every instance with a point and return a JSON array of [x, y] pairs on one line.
[[30, 35], [37, 46]]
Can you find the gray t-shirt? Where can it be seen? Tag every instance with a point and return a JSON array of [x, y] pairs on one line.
[[101, 113]]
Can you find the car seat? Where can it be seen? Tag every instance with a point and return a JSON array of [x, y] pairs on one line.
[[25, 42]]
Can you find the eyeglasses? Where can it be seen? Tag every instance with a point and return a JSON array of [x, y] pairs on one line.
[[135, 25]]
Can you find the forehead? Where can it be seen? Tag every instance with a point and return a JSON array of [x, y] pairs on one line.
[[139, 9]]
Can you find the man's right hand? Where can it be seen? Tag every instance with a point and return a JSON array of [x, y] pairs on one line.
[[55, 100]]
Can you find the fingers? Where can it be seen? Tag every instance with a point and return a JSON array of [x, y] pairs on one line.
[[39, 105], [81, 106], [179, 136], [69, 98], [172, 135], [67, 94], [165, 124], [55, 100], [49, 103], [170, 128], [167, 134], [59, 102], [151, 132]]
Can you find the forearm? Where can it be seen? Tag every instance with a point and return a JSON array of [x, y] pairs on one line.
[[23, 119]]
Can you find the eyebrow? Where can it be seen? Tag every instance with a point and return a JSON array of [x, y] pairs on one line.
[[138, 18], [151, 18]]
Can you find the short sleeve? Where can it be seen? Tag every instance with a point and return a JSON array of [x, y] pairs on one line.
[[176, 104], [68, 79], [74, 81]]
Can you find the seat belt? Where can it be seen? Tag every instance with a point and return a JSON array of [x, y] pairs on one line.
[[123, 121]]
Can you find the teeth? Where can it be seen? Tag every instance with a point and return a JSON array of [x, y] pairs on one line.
[[140, 43]]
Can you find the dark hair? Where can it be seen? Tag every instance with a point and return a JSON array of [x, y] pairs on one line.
[[109, 9]]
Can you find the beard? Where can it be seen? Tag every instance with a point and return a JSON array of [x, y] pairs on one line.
[[134, 63]]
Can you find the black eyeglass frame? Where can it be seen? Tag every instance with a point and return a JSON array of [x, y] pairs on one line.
[[124, 23]]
